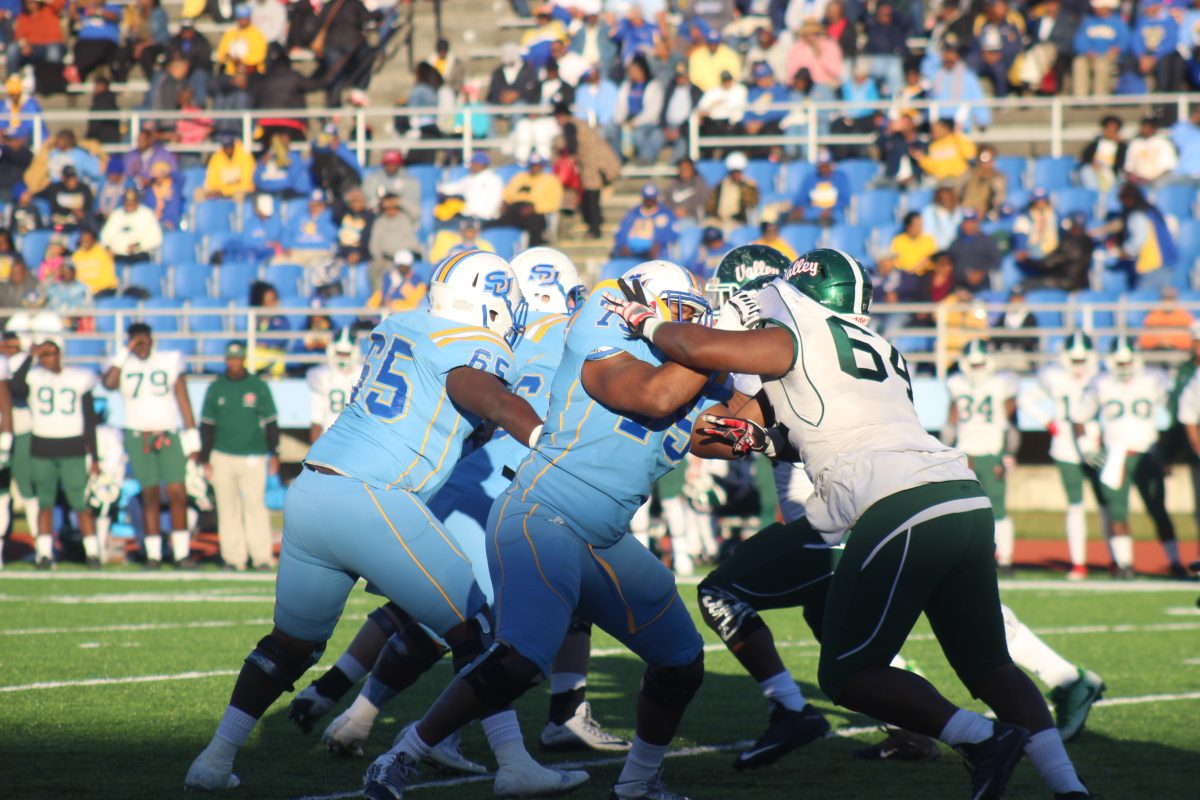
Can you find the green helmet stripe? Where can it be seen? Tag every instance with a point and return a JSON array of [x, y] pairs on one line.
[[858, 279]]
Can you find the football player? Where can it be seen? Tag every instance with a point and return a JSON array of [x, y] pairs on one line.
[[330, 384], [916, 525], [1127, 399], [6, 451], [620, 417], [359, 506], [63, 447], [154, 392], [982, 423], [1062, 385]]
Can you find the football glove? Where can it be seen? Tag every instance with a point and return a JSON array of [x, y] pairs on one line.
[[1094, 458], [744, 436], [635, 308], [738, 313]]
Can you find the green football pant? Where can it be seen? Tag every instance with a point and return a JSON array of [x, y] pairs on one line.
[[995, 488], [71, 472]]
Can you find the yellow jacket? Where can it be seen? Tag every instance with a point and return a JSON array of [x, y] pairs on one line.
[[230, 175], [544, 191], [705, 68], [247, 45], [95, 269], [948, 157]]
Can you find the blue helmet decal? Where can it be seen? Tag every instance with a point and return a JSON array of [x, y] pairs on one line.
[[498, 283]]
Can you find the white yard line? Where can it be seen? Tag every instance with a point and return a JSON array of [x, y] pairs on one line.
[[145, 598], [178, 676], [134, 627], [1183, 611]]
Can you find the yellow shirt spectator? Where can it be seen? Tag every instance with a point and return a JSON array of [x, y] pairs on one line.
[[949, 155], [94, 266], [447, 243], [913, 252], [543, 189], [777, 242], [230, 170], [242, 45], [707, 62]]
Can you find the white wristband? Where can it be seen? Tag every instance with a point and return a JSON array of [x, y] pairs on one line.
[[650, 326], [534, 435], [6, 442], [189, 439], [120, 358]]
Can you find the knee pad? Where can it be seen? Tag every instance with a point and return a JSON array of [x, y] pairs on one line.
[[281, 665], [474, 638], [390, 618], [579, 625], [500, 676], [673, 687], [415, 647], [730, 617]]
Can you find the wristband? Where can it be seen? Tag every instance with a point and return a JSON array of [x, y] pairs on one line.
[[120, 359], [189, 439], [649, 327], [6, 442], [534, 435]]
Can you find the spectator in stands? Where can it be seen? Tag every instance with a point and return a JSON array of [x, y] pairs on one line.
[[708, 63], [639, 109], [8, 254], [531, 198], [281, 86], [592, 41], [596, 101], [687, 195], [1051, 35], [112, 190], [67, 295], [772, 48], [1068, 266], [469, 238], [262, 233], [1154, 46], [20, 291], [646, 231], [1103, 159], [532, 133], [1017, 322], [760, 118], [722, 107], [332, 167], [94, 265], [402, 289], [140, 161], [164, 197], [448, 64], [1147, 248], [37, 35], [53, 259], [894, 285], [342, 48], [985, 187], [426, 93], [1100, 41], [769, 236], [198, 52], [15, 158], [708, 257], [242, 48], [859, 115], [736, 196], [817, 53], [146, 36], [24, 216], [132, 233], [536, 41], [897, 144], [164, 95], [71, 201], [912, 248], [1151, 155], [843, 31], [513, 82], [392, 178], [313, 230], [270, 350], [824, 195], [1035, 233], [997, 42], [230, 171], [280, 172], [976, 255], [270, 17], [393, 230], [585, 152], [954, 86], [941, 283], [1168, 326], [481, 190], [103, 124], [679, 99], [554, 85], [949, 153], [63, 150], [354, 225], [634, 33], [942, 217], [99, 36], [24, 112], [887, 48], [1185, 135]]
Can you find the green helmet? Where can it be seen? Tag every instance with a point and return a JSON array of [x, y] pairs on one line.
[[976, 361], [740, 267], [834, 279], [1079, 355], [1123, 358]]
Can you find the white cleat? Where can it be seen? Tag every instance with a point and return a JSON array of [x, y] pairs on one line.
[[581, 732], [345, 735], [209, 773], [447, 755], [531, 779]]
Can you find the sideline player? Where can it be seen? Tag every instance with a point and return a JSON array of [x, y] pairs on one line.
[[15, 345], [982, 423], [1063, 384], [6, 452], [63, 444], [359, 506], [620, 417], [917, 528], [330, 384], [154, 393]]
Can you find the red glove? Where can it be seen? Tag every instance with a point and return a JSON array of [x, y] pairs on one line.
[[744, 435], [1052, 428], [634, 308]]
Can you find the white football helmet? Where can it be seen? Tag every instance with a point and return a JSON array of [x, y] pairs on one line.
[[102, 490], [672, 290], [1123, 360], [549, 280], [31, 327], [479, 288], [341, 354], [197, 487], [1078, 356], [976, 362]]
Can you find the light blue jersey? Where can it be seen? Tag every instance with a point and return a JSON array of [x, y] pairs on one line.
[[400, 430], [592, 465]]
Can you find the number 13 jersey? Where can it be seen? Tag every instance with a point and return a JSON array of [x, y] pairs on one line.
[[846, 405]]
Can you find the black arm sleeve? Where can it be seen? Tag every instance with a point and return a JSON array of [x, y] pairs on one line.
[[208, 435], [272, 431], [89, 424], [19, 383]]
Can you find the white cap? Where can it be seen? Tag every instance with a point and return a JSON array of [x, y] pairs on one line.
[[403, 258], [736, 161]]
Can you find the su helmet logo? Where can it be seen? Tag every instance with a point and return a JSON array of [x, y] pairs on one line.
[[497, 283]]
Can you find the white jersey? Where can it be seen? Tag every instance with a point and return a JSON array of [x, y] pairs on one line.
[[1063, 391], [329, 390], [982, 411], [56, 401], [148, 391], [847, 407], [22, 422], [1128, 410], [1188, 411], [793, 488]]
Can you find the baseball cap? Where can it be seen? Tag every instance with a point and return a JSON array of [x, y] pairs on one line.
[[69, 172], [736, 162], [969, 213], [649, 191], [187, 22], [403, 258], [316, 196], [393, 157], [468, 222], [226, 137], [761, 70], [235, 350], [726, 75], [242, 12], [1038, 194], [481, 159], [712, 36], [535, 159], [712, 234]]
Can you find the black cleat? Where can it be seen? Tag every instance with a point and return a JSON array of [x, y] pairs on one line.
[[152, 564], [786, 731], [1123, 574], [901, 745], [388, 776], [93, 562], [44, 564], [992, 761]]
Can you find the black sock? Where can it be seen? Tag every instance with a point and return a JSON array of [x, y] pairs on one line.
[[563, 704], [333, 684]]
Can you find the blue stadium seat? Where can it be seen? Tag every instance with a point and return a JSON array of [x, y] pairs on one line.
[[33, 248], [454, 173], [189, 280], [341, 320], [1015, 168], [1187, 238], [507, 171], [179, 247], [151, 277], [296, 321], [214, 216], [297, 206], [506, 240], [765, 173], [743, 234], [234, 281], [358, 283], [206, 323], [288, 279], [1047, 318], [1097, 319], [175, 343], [916, 199], [1010, 273], [688, 244], [1075, 198], [802, 238], [711, 170], [107, 323], [860, 171], [616, 268], [1053, 173], [1134, 319], [1018, 199], [850, 238], [427, 176], [794, 175], [877, 207], [1177, 199], [193, 179], [164, 323], [92, 352], [214, 352]]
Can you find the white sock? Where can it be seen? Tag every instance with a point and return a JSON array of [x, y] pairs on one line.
[[350, 667], [181, 545], [103, 527], [44, 546], [413, 745], [782, 689], [566, 682], [643, 761], [31, 513], [1171, 548], [966, 727], [1004, 541], [1077, 534], [153, 548], [504, 737], [235, 727], [1048, 756], [362, 710], [1122, 550], [1033, 654], [91, 548]]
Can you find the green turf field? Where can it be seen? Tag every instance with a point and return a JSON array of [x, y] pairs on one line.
[[109, 686]]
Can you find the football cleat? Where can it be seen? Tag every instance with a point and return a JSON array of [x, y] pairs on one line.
[[152, 564], [209, 773], [580, 732], [93, 562], [1078, 573], [44, 563], [388, 775], [653, 789], [530, 779], [308, 707], [786, 731], [345, 735], [1073, 702], [447, 754], [1181, 573], [992, 761], [901, 745], [1123, 574]]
